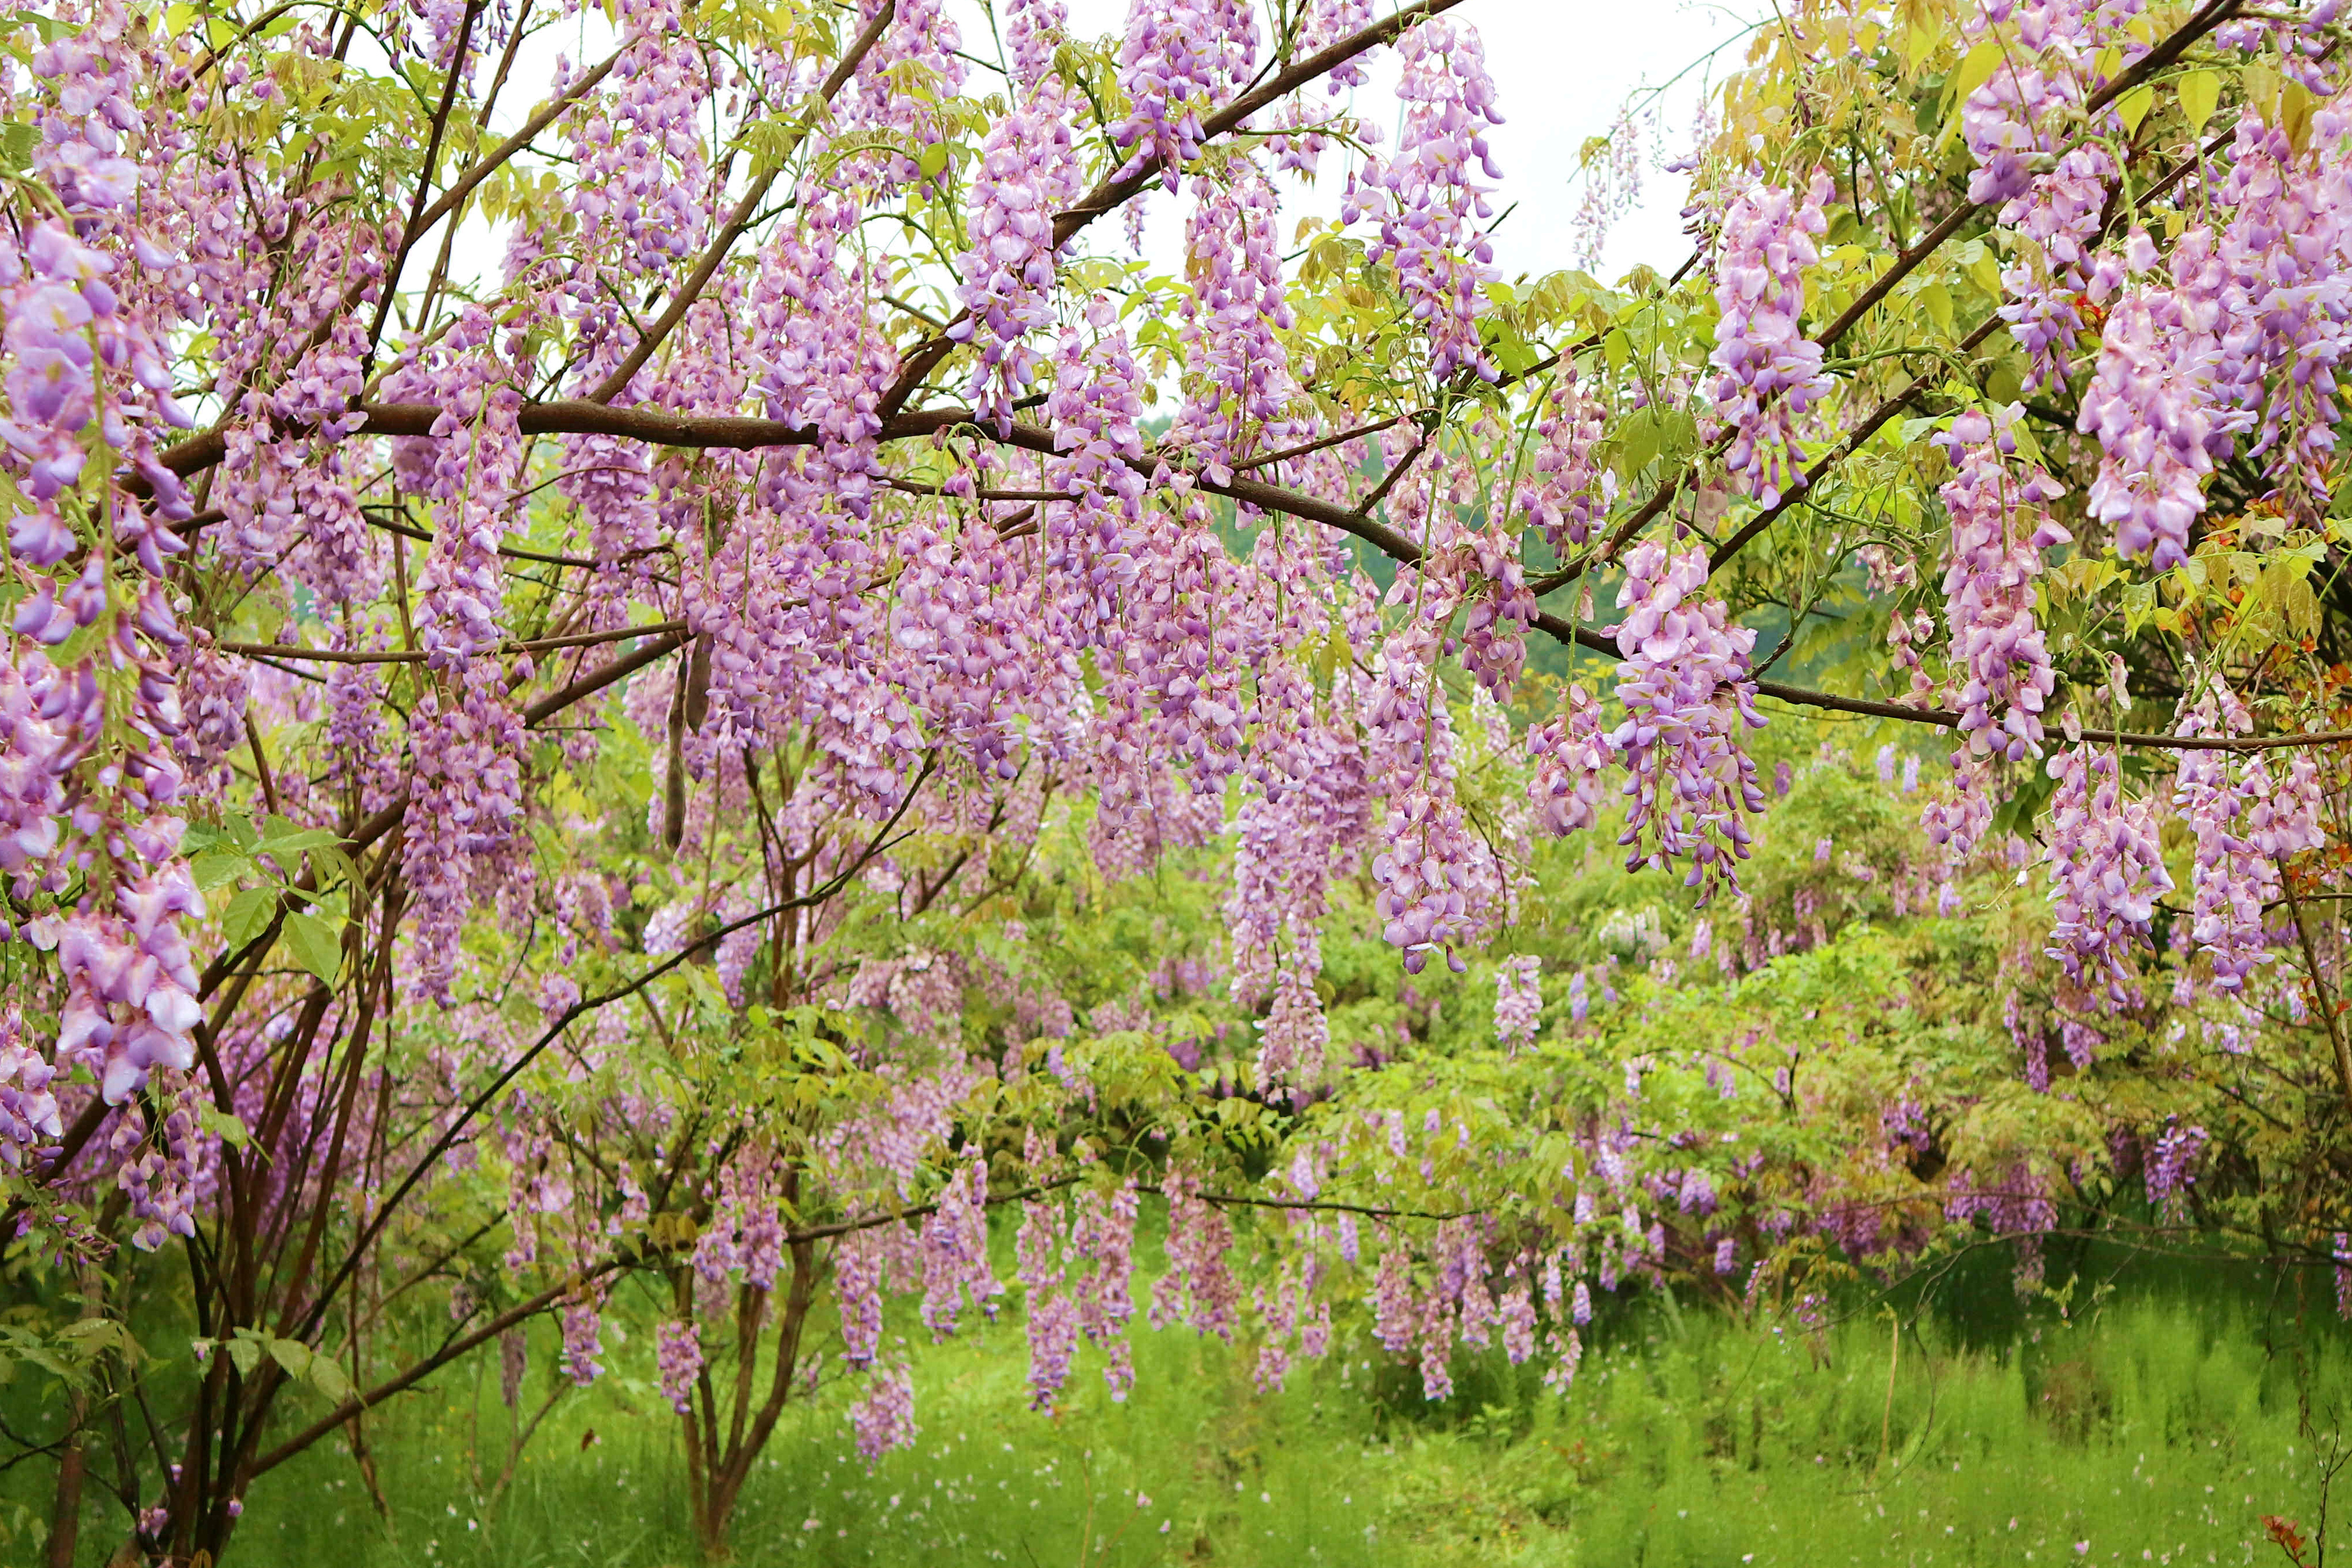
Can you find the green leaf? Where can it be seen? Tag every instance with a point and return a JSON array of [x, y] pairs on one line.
[[247, 915], [315, 945], [214, 870], [1936, 301], [293, 1355], [327, 1375], [1639, 444], [17, 145], [2294, 114], [2201, 94], [1985, 271], [1328, 655], [932, 160], [333, 866], [89, 1338], [222, 1125], [244, 1353], [285, 838]]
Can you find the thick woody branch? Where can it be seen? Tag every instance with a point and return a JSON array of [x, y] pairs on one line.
[[532, 645]]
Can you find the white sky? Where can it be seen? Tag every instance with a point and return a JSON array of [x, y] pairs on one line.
[[1562, 70]]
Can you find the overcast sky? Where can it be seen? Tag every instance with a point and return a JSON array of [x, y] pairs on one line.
[[1562, 70]]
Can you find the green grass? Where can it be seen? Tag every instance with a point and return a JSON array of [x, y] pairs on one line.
[[2162, 1428], [2160, 1431]]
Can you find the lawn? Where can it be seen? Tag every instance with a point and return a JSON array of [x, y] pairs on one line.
[[2161, 1425]]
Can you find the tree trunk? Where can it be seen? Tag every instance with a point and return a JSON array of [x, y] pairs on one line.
[[65, 1513], [717, 1485]]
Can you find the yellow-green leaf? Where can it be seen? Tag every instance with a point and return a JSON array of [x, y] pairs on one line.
[[1976, 69], [213, 871], [327, 1374], [1936, 301], [223, 1126], [2201, 94], [2294, 114], [1985, 272], [2132, 107]]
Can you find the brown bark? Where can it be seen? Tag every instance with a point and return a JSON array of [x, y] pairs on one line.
[[716, 1476], [73, 1466]]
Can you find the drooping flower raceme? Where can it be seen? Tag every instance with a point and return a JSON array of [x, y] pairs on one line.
[[1999, 531], [1236, 374], [1686, 686], [1027, 173], [2150, 407], [1425, 196], [2106, 868], [2248, 819], [883, 1418], [2172, 1167], [1771, 372], [1567, 491], [1053, 1317], [1178, 60], [1437, 879], [678, 1356], [2230, 882], [1571, 751], [1519, 1000], [582, 1343]]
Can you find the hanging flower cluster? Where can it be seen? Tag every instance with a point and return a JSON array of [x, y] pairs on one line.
[[1426, 196], [1179, 59], [1519, 1000], [1687, 696], [1771, 372], [2000, 528], [2106, 868]]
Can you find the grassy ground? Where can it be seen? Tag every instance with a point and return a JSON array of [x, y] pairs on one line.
[[2160, 1429]]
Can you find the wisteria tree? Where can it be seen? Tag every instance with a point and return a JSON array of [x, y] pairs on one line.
[[533, 779]]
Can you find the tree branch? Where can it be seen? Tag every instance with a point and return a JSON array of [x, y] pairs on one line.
[[532, 645]]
